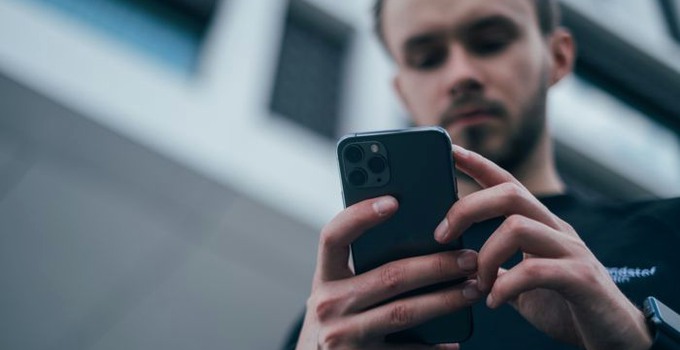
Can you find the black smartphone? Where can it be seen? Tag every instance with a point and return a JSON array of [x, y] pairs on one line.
[[415, 166]]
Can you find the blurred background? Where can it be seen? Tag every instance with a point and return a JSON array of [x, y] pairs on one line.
[[166, 165]]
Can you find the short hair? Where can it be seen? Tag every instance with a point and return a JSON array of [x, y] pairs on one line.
[[547, 13]]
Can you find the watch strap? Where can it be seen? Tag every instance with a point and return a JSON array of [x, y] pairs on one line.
[[662, 341]]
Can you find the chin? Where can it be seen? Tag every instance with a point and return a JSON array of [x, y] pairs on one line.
[[486, 141]]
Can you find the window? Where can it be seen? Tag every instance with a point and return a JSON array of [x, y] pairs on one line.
[[671, 11], [170, 31], [308, 83]]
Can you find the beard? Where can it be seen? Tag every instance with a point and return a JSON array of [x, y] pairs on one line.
[[506, 144]]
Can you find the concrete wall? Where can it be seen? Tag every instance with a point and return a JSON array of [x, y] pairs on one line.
[[106, 245]]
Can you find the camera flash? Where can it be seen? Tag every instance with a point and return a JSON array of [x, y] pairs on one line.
[[375, 148]]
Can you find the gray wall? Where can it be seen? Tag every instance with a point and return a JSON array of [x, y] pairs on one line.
[[106, 245]]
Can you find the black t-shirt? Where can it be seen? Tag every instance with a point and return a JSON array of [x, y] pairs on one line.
[[639, 243]]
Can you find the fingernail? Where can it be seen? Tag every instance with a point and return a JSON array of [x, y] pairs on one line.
[[467, 261], [471, 292], [384, 205], [460, 150], [490, 301], [440, 231]]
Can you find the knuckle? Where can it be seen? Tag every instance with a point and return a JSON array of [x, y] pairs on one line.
[[582, 268], [400, 316], [333, 337], [323, 310], [439, 265], [324, 305], [451, 300], [392, 276], [534, 270], [326, 238], [580, 246], [517, 224], [567, 227], [590, 272], [576, 247], [460, 208], [512, 191]]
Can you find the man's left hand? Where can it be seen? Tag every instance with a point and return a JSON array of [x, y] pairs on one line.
[[559, 286]]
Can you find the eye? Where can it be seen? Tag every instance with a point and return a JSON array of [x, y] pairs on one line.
[[488, 47], [427, 57], [490, 42]]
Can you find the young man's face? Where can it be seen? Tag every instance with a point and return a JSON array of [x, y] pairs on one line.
[[479, 68]]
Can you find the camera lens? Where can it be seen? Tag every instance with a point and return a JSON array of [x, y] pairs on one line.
[[354, 154], [357, 177], [377, 164]]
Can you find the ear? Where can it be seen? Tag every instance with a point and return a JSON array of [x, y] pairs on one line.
[[563, 52], [399, 89]]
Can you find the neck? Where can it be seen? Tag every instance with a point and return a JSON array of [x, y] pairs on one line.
[[537, 173]]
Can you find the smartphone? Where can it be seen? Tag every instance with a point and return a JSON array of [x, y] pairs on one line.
[[415, 166]]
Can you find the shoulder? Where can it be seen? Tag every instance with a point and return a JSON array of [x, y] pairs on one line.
[[662, 211], [602, 223], [667, 209], [656, 206]]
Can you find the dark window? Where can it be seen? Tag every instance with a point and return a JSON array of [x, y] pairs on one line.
[[671, 11], [310, 71]]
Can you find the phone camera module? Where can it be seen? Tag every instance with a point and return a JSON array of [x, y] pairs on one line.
[[377, 164], [364, 164], [358, 177], [354, 154]]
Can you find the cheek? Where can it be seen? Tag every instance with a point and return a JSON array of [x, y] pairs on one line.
[[518, 81], [422, 98]]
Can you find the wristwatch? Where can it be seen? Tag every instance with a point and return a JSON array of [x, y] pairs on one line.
[[663, 323]]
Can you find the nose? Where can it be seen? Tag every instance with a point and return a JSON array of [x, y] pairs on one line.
[[462, 74]]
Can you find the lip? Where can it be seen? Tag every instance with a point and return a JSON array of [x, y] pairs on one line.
[[473, 119], [471, 116]]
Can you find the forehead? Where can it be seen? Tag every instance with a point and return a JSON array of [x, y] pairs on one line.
[[405, 18]]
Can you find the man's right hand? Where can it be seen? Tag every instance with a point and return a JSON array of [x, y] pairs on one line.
[[349, 312]]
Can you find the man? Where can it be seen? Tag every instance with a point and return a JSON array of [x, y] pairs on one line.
[[481, 69]]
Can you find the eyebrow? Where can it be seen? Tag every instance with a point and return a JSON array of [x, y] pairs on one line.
[[490, 22], [476, 25], [424, 39]]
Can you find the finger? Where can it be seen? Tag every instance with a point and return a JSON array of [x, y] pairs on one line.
[[395, 278], [447, 347], [424, 347], [431, 347], [500, 200], [483, 171], [342, 334], [528, 275], [409, 312], [512, 301], [347, 226], [416, 347], [488, 174], [519, 233]]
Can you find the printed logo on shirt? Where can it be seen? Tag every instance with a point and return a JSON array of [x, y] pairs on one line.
[[626, 274]]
